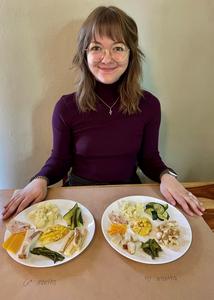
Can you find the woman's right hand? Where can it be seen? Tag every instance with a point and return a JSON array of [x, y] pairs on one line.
[[34, 192]]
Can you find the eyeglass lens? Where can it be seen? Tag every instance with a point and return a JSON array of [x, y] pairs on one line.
[[118, 51]]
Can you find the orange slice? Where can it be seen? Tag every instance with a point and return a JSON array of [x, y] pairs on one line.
[[14, 242], [117, 228], [8, 241]]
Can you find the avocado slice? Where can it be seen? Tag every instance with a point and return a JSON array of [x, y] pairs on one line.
[[70, 215], [79, 220]]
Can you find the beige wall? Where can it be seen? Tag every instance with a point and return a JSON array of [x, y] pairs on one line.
[[37, 39]]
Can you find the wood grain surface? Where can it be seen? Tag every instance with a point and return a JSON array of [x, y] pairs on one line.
[[205, 192]]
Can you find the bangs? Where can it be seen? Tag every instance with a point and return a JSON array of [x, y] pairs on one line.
[[108, 24], [115, 24]]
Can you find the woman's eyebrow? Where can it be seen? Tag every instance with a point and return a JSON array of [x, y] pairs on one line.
[[116, 42], [95, 42]]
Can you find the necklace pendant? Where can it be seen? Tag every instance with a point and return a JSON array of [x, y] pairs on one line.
[[110, 107]]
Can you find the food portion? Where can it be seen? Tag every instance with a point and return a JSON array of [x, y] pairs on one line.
[[45, 214], [117, 218], [157, 211], [30, 240], [14, 242], [131, 211], [152, 248], [64, 235], [15, 226], [143, 228], [73, 217], [117, 228], [168, 233], [55, 256], [74, 242], [53, 234]]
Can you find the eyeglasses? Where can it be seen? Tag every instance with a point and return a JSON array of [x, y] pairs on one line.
[[118, 52]]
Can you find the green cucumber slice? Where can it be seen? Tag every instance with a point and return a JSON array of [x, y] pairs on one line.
[[159, 208], [152, 213], [157, 211], [164, 216], [149, 205]]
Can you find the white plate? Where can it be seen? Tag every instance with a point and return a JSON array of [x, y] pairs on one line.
[[64, 206], [165, 256]]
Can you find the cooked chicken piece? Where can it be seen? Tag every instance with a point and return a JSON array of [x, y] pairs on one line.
[[77, 241], [15, 226], [131, 247], [117, 218], [117, 238], [69, 239], [31, 238]]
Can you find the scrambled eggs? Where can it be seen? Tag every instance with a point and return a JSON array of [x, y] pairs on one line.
[[141, 226]]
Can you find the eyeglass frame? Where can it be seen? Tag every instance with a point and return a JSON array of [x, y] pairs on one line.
[[104, 52]]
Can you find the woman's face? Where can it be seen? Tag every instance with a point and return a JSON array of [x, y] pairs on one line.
[[107, 59]]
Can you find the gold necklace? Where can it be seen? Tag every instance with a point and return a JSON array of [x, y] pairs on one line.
[[110, 107]]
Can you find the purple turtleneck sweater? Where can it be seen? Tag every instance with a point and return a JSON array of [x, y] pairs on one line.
[[101, 147]]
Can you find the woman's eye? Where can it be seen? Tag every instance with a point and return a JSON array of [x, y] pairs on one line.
[[118, 49], [95, 48]]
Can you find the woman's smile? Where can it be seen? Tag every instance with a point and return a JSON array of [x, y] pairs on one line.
[[107, 70]]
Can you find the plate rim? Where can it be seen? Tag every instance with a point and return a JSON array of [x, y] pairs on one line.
[[134, 258], [67, 259]]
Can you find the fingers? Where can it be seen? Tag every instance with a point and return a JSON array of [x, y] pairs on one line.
[[12, 207], [24, 203], [183, 203], [173, 189], [194, 203], [174, 193], [34, 192], [17, 203], [38, 199], [189, 203], [169, 198], [13, 198]]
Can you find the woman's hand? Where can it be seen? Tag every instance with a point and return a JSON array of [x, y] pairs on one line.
[[34, 192], [174, 192]]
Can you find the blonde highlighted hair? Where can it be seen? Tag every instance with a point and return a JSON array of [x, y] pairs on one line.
[[117, 25]]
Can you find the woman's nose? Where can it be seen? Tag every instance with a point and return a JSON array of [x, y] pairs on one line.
[[107, 56]]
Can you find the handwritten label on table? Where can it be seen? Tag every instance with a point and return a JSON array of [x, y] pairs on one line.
[[163, 277], [39, 282]]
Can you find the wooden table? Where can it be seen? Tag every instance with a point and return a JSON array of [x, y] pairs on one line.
[[100, 272], [205, 192]]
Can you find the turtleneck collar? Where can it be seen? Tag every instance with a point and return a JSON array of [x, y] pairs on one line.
[[108, 92]]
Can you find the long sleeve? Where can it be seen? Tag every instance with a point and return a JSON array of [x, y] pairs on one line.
[[59, 163], [101, 147], [149, 159]]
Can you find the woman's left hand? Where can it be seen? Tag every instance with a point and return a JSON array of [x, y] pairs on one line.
[[175, 192]]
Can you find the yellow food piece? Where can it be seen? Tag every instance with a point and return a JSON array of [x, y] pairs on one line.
[[142, 226], [14, 242], [117, 228], [44, 215], [132, 211], [53, 234]]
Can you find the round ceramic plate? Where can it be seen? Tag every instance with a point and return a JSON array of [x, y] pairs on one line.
[[64, 206], [165, 256]]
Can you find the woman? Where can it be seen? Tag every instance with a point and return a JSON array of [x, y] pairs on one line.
[[109, 127]]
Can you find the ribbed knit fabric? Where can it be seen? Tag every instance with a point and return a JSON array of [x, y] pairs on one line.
[[103, 147]]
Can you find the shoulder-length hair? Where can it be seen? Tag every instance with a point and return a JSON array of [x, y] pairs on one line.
[[117, 25]]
